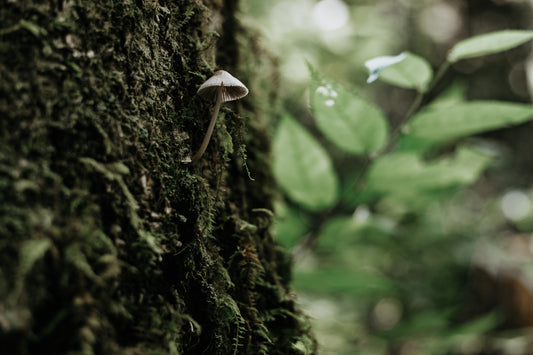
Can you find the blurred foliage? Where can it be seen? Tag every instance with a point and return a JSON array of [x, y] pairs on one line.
[[409, 233]]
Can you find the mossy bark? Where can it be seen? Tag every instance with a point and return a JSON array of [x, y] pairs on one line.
[[108, 243]]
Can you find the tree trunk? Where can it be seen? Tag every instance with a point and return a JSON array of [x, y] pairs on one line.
[[108, 243]]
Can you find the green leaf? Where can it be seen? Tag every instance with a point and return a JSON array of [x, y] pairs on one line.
[[414, 72], [302, 167], [420, 323], [341, 235], [480, 325], [407, 173], [338, 233], [453, 95], [489, 43], [443, 124], [290, 225], [337, 280], [352, 123]]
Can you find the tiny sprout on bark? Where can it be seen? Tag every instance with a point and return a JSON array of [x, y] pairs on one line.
[[221, 87]]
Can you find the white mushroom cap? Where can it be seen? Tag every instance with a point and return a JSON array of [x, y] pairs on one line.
[[232, 88]]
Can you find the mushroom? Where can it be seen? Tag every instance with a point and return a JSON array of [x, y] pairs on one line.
[[221, 87]]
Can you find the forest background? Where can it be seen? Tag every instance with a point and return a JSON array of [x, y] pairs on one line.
[[395, 213]]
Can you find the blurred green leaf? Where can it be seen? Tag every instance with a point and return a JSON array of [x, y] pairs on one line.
[[404, 173], [421, 323], [352, 123], [452, 95], [338, 232], [349, 232], [480, 325], [489, 43], [438, 125], [338, 237], [289, 226], [342, 280], [414, 72], [302, 167]]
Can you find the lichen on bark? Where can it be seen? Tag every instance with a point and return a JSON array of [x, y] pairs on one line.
[[108, 244]]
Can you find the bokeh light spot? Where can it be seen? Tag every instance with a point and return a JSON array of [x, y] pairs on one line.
[[330, 14], [515, 205]]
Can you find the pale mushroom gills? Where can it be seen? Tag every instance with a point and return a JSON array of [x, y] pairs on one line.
[[221, 87]]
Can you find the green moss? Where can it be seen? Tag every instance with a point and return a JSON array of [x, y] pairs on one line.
[[116, 246]]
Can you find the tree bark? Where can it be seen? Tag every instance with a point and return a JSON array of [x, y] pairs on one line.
[[108, 243]]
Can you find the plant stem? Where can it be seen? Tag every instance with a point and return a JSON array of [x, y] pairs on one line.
[[415, 106], [210, 129], [369, 159]]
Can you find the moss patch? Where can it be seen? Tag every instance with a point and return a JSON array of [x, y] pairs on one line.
[[108, 243]]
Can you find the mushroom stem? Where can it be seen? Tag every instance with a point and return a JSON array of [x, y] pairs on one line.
[[210, 129]]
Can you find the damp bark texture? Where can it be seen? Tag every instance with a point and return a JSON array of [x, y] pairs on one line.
[[108, 243]]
